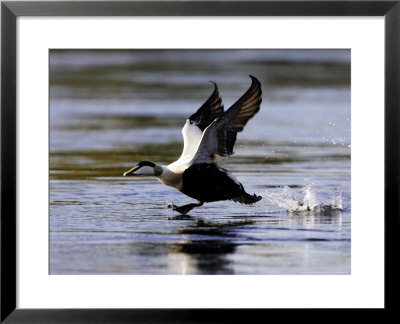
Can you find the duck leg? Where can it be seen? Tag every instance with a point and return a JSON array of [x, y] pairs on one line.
[[185, 208]]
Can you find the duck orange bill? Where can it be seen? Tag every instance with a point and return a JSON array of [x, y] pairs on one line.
[[131, 171]]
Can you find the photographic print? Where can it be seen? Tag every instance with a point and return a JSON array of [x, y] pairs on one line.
[[208, 161]]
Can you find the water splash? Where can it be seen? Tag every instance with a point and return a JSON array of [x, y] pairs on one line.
[[336, 200], [306, 200]]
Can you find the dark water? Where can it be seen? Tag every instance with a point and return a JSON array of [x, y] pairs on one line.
[[111, 109]]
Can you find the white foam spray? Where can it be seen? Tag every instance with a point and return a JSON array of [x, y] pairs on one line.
[[302, 200]]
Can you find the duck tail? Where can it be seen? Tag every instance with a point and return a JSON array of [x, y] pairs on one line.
[[245, 198]]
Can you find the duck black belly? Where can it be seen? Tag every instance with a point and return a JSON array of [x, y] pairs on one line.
[[208, 182]]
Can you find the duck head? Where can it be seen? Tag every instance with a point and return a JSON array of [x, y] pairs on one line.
[[145, 168]]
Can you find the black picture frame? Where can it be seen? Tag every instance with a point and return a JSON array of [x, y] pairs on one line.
[[10, 10]]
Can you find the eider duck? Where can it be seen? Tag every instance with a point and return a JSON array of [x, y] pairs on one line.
[[208, 136]]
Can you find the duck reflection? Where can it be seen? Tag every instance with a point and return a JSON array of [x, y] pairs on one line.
[[206, 247]]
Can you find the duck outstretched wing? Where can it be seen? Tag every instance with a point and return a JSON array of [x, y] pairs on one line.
[[220, 136], [193, 129], [210, 110]]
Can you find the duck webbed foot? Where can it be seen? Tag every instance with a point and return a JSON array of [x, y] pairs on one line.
[[185, 208]]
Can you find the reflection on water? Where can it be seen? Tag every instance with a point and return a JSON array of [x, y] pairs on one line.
[[112, 108], [207, 255], [204, 257]]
